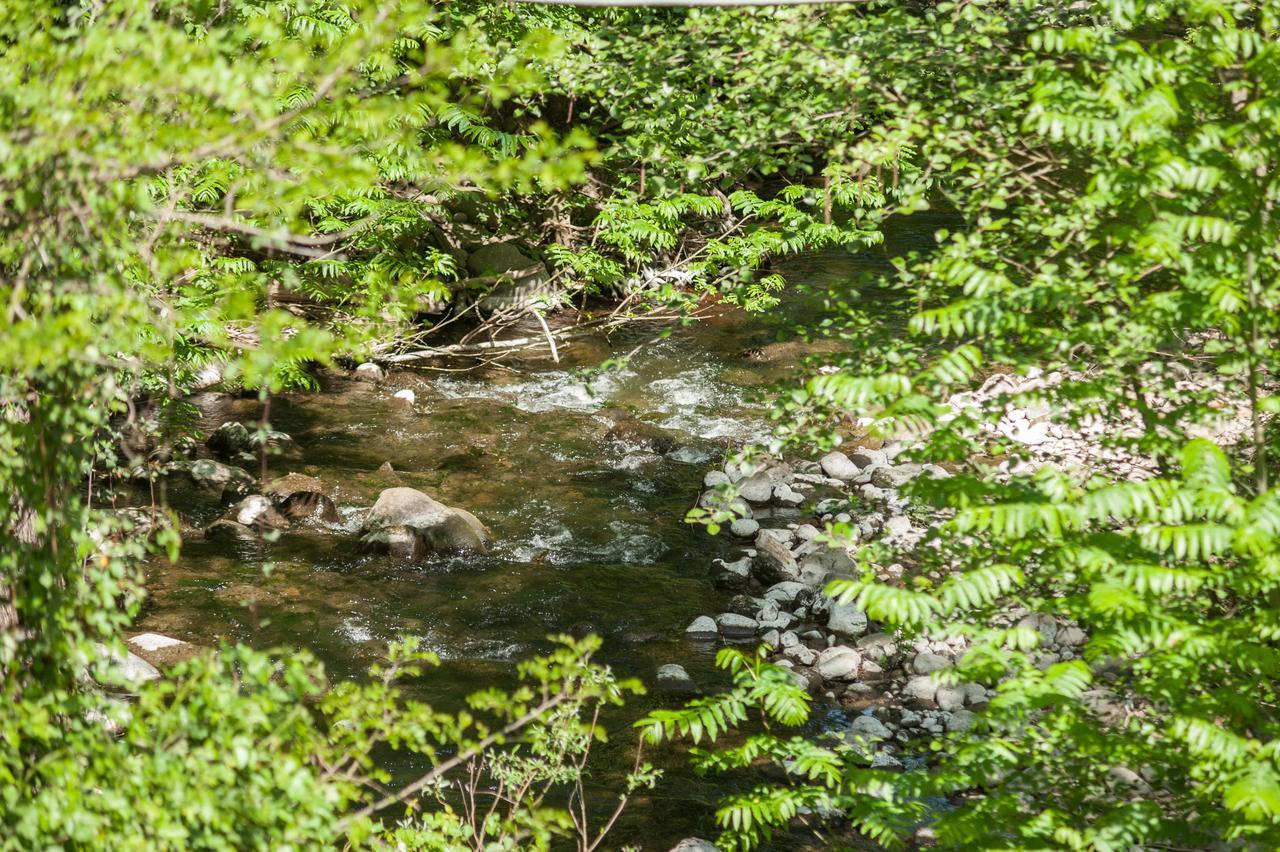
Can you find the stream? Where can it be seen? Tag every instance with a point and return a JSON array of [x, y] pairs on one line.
[[589, 530]]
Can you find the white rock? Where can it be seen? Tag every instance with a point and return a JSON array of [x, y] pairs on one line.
[[921, 688], [839, 663], [406, 396], [153, 641], [370, 372], [745, 527], [695, 844], [702, 627], [838, 466]]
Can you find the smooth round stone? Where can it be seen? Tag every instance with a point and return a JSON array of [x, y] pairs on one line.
[[702, 627], [745, 527]]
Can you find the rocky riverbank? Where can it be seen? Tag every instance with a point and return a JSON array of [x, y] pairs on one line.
[[799, 525]]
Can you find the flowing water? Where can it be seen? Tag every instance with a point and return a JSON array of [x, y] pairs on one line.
[[589, 531]]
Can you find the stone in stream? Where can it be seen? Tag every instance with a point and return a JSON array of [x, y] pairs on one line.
[[226, 481], [757, 488], [838, 466], [744, 527], [774, 562], [839, 662], [734, 626], [715, 478], [869, 728], [248, 519], [410, 525], [694, 844], [405, 396], [163, 651], [370, 372], [702, 627], [629, 430], [298, 496], [673, 678], [229, 440], [126, 670], [784, 495]]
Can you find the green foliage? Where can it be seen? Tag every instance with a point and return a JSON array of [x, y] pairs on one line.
[[1110, 167]]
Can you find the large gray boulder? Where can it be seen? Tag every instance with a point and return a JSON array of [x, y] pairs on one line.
[[523, 281], [410, 525]]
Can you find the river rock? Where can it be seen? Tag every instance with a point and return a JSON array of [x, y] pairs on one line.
[[702, 627], [785, 495], [921, 688], [401, 514], [744, 527], [524, 283], [229, 440], [928, 663], [846, 620], [127, 670], [163, 651], [405, 396], [896, 476], [298, 496], [673, 678], [257, 513], [695, 844], [757, 488], [839, 662], [787, 592], [370, 372], [715, 478], [870, 728], [734, 626], [838, 466], [865, 457], [961, 720], [949, 697], [638, 433], [226, 481], [774, 562]]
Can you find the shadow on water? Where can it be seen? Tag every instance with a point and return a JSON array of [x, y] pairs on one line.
[[590, 533]]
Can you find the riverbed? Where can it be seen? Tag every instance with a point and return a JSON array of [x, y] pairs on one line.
[[589, 526]]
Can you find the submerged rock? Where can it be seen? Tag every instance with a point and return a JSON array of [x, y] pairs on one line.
[[673, 678], [637, 433], [411, 525]]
